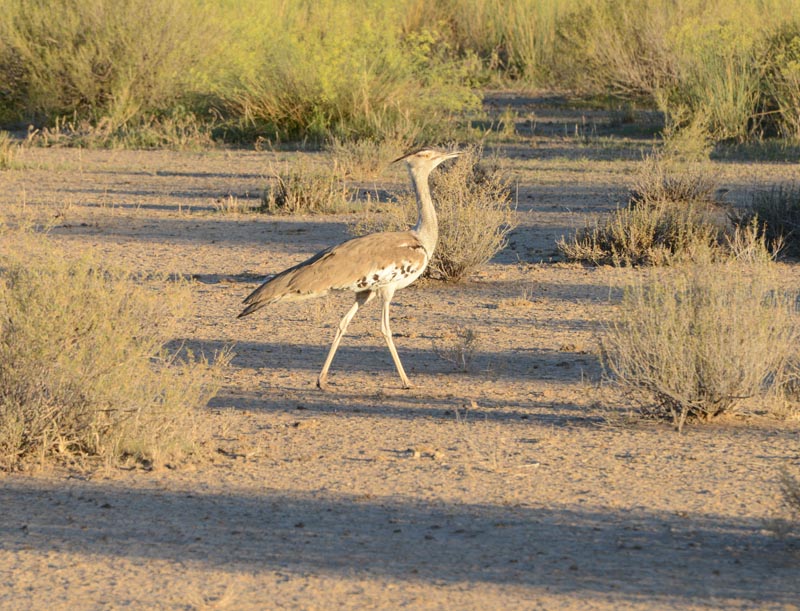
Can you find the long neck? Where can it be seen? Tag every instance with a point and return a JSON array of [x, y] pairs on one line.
[[427, 227]]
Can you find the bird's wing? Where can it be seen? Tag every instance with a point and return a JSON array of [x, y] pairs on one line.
[[360, 264]]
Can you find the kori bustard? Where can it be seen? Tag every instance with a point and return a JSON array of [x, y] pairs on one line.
[[370, 265]]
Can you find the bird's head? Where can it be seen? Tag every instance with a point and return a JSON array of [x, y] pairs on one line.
[[426, 158]]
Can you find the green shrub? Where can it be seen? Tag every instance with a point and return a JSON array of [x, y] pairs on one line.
[[347, 70], [101, 59], [702, 340], [84, 371]]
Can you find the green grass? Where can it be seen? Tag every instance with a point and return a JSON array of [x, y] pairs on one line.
[[353, 69]]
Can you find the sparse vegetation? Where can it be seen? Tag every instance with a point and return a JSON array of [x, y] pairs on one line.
[[671, 215], [84, 371], [475, 210], [303, 188], [700, 340], [8, 150], [458, 347], [790, 488], [778, 210]]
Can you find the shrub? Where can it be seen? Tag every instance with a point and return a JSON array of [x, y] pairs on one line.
[[670, 215], [475, 210], [101, 58], [347, 70], [781, 82], [366, 157], [8, 150], [778, 210], [699, 341], [790, 489], [83, 365], [303, 188]]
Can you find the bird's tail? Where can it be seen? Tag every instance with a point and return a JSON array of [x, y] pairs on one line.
[[251, 308]]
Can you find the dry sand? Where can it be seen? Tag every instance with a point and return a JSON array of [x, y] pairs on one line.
[[513, 485]]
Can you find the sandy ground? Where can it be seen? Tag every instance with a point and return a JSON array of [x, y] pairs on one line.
[[513, 485]]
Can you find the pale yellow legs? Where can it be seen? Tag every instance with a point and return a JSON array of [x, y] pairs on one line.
[[361, 300]]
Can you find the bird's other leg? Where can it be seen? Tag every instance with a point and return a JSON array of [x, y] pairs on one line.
[[361, 299], [387, 335]]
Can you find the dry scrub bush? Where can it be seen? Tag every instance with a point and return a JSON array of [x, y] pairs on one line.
[[778, 210], [670, 215], [698, 340], [8, 150], [790, 487], [458, 347], [365, 157], [84, 371], [303, 188], [475, 210]]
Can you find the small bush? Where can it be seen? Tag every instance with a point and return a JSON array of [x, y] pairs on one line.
[[670, 215], [656, 234], [83, 365], [475, 210], [303, 188], [699, 341], [8, 150], [779, 211], [458, 347]]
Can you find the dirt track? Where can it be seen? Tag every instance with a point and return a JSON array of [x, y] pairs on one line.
[[510, 486]]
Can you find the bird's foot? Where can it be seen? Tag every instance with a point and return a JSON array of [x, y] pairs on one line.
[[322, 384]]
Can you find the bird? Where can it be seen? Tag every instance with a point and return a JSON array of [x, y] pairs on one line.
[[371, 265]]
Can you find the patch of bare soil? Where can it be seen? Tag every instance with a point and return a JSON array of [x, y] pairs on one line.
[[510, 485]]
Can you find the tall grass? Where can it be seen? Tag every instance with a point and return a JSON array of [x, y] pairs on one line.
[[101, 59], [356, 69]]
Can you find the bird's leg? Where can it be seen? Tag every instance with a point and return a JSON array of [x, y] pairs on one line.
[[361, 299], [387, 335]]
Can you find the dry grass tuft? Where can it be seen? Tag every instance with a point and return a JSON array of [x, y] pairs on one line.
[[8, 150], [778, 210], [84, 371], [303, 189], [670, 216], [231, 204], [458, 347], [702, 339]]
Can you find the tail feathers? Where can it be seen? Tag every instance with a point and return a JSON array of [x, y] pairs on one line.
[[277, 288], [252, 308]]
